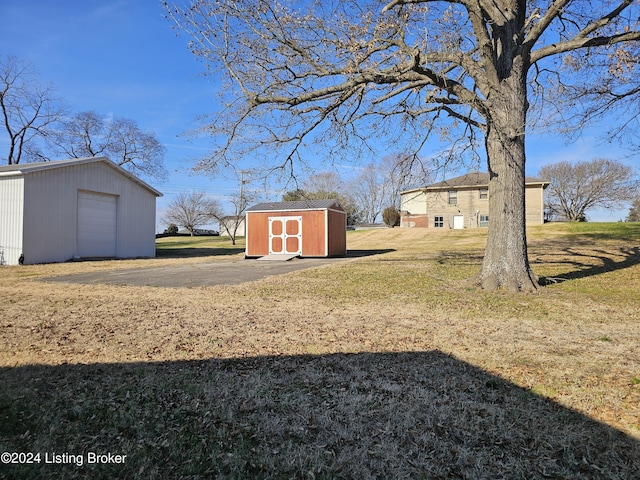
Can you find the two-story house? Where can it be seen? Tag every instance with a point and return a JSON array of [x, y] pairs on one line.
[[463, 202]]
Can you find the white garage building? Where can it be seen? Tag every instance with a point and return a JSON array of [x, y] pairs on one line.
[[72, 209]]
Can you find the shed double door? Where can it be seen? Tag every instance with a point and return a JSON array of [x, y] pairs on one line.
[[285, 235]]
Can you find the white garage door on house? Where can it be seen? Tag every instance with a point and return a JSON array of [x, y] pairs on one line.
[[97, 224]]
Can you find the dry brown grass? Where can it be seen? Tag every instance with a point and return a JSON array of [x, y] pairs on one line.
[[386, 366]]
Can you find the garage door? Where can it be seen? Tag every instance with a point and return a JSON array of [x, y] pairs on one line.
[[97, 222]]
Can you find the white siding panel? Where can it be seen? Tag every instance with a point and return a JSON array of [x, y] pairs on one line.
[[51, 208], [414, 202], [11, 226], [97, 224]]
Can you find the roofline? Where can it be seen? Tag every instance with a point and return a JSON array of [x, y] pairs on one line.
[[414, 190], [25, 169], [542, 183], [311, 209]]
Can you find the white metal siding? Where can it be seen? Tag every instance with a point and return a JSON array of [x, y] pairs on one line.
[[11, 213], [51, 207], [97, 224]]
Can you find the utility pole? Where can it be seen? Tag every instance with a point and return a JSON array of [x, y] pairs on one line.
[[241, 207], [242, 182]]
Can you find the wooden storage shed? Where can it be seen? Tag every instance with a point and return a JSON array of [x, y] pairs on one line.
[[305, 228], [72, 209]]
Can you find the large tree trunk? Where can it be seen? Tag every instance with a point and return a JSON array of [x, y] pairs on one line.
[[506, 263]]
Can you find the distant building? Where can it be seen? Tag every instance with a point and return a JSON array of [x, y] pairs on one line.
[[463, 202], [237, 223], [72, 209]]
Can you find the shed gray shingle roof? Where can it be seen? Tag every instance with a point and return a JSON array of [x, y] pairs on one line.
[[295, 205]]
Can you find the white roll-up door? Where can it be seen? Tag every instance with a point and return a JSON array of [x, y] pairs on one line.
[[97, 224]]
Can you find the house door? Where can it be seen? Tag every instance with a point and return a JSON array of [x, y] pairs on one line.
[[285, 235], [458, 221]]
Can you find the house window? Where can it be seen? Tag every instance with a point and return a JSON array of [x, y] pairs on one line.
[[453, 197], [484, 193], [483, 221], [438, 221]]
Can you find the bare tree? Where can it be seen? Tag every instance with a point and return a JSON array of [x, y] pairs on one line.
[[231, 223], [323, 185], [341, 73], [368, 189], [401, 171], [575, 188], [634, 211], [29, 109], [326, 186], [378, 185], [192, 210], [88, 134]]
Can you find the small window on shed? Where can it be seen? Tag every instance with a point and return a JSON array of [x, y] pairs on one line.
[[484, 193], [453, 197], [438, 221]]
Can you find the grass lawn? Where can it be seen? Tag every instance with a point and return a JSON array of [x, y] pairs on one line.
[[381, 366]]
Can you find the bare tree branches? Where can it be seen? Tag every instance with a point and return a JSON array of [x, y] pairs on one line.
[[378, 185], [634, 211], [311, 76], [230, 223], [87, 134], [37, 127], [28, 108], [192, 210], [576, 188]]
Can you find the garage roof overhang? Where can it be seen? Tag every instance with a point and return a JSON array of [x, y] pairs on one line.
[[27, 168]]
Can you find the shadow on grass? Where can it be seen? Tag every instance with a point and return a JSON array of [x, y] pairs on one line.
[[352, 416], [593, 261], [368, 253], [583, 256]]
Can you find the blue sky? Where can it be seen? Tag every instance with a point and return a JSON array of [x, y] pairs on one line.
[[122, 58]]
